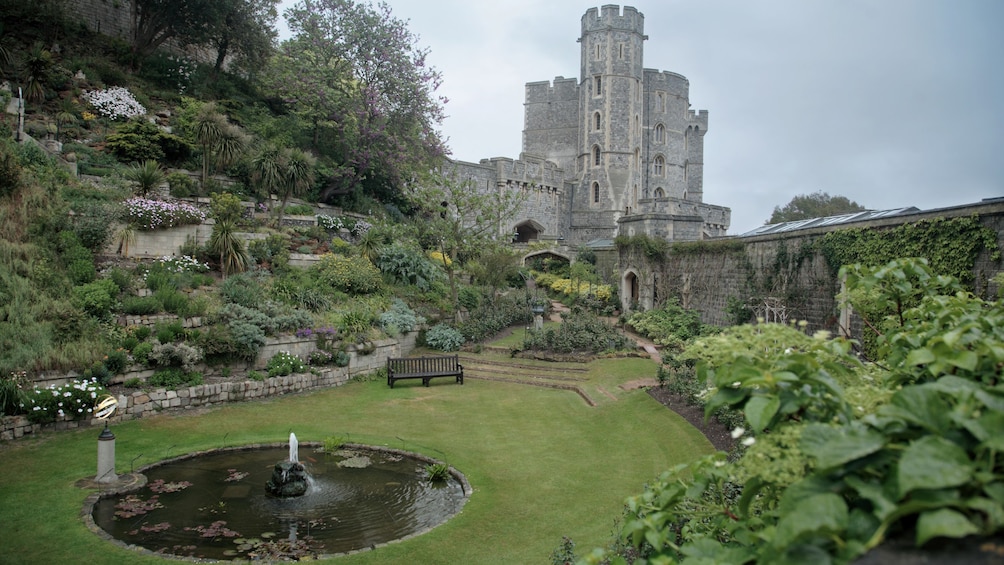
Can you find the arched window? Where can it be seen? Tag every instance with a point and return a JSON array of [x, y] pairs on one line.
[[660, 102], [596, 192], [659, 167], [597, 85], [686, 172], [596, 155], [596, 121], [659, 193], [597, 55], [660, 133]]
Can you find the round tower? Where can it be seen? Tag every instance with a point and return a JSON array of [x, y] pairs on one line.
[[611, 119]]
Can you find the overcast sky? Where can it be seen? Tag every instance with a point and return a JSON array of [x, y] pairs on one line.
[[891, 103]]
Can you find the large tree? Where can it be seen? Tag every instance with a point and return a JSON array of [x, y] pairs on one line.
[[243, 30], [816, 205], [358, 76], [156, 21], [460, 221]]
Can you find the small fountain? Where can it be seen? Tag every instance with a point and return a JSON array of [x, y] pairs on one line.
[[289, 478]]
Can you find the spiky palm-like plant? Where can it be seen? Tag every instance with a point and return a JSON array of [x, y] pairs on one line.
[[147, 175], [298, 174], [225, 244], [222, 142]]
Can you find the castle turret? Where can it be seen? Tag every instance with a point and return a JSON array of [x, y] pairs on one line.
[[611, 120]]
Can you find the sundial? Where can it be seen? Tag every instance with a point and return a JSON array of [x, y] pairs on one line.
[[105, 407]]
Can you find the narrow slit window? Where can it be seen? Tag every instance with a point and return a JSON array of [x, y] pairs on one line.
[[596, 192]]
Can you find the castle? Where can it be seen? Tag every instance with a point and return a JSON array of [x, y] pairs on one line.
[[617, 151]]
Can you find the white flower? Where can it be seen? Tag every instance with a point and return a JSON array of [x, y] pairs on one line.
[[738, 432], [736, 384], [719, 463], [749, 441]]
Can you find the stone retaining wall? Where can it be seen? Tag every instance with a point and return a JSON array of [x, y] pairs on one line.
[[144, 403]]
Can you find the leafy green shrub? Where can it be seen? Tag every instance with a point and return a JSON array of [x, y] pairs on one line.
[[121, 278], [140, 140], [351, 275], [176, 355], [444, 338], [71, 401], [141, 305], [299, 210], [271, 252], [494, 314], [133, 382], [579, 331], [248, 338], [13, 398], [174, 301], [243, 290], [142, 332], [174, 377], [469, 297], [400, 318], [129, 342], [96, 298], [670, 326], [116, 361], [256, 375], [167, 332], [284, 363], [182, 185], [408, 266], [141, 353], [833, 481]]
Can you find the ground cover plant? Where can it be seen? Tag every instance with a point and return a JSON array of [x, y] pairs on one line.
[[541, 462], [826, 480]]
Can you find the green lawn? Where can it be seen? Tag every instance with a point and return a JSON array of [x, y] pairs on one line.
[[542, 463]]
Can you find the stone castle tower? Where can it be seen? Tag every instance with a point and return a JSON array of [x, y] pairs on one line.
[[628, 147]]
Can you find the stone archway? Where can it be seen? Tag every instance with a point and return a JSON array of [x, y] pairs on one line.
[[630, 291], [527, 231]]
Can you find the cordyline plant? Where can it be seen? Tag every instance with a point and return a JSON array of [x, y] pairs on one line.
[[925, 465]]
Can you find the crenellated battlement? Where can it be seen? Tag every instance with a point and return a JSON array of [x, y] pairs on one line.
[[545, 91], [611, 16]]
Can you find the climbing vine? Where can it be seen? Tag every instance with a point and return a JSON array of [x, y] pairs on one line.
[[951, 245]]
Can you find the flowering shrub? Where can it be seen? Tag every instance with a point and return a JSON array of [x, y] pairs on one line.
[[72, 401], [148, 214], [361, 227], [568, 288], [351, 275], [284, 363], [330, 223], [439, 258], [115, 103], [182, 264]]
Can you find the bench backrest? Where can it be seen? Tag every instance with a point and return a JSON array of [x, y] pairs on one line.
[[436, 364]]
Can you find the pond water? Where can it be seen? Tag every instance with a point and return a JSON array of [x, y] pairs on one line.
[[215, 506]]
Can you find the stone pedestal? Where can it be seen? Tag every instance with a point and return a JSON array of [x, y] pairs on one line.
[[106, 457]]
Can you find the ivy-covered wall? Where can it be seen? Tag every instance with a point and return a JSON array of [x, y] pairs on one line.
[[794, 276]]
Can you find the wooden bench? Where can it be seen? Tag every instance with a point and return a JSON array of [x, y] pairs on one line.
[[425, 368]]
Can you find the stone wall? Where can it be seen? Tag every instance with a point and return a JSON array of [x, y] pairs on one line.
[[781, 277], [144, 403]]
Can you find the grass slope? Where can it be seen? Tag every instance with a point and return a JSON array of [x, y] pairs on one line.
[[541, 462]]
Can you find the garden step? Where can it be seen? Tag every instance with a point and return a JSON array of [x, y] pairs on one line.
[[468, 369], [560, 386]]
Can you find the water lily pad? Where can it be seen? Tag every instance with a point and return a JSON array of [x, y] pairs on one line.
[[268, 535]]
